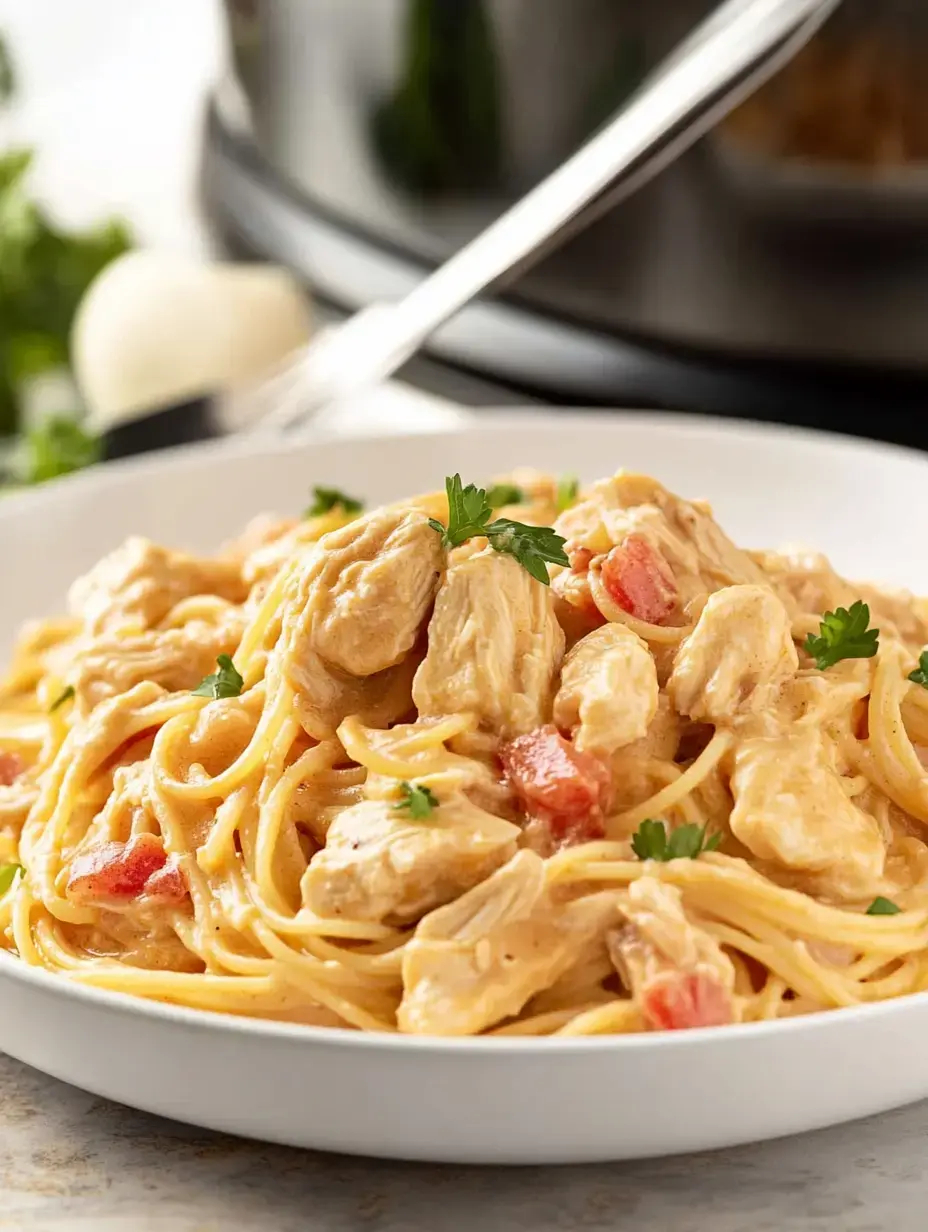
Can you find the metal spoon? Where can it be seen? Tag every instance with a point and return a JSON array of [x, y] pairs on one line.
[[741, 45]]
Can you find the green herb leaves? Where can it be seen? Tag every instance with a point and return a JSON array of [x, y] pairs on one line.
[[418, 802], [883, 906], [920, 675], [8, 875], [469, 513], [327, 499], [65, 695], [654, 841], [502, 494], [227, 682], [567, 488], [57, 447], [843, 634]]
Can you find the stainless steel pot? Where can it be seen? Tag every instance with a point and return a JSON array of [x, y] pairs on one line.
[[798, 231]]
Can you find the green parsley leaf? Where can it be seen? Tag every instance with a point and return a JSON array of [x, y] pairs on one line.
[[227, 682], [326, 499], [469, 514], [651, 841], [65, 696], [503, 494], [418, 802], [567, 488], [58, 447], [843, 634], [7, 875], [7, 73], [920, 675], [883, 906]]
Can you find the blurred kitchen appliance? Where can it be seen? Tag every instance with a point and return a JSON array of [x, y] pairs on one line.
[[362, 142]]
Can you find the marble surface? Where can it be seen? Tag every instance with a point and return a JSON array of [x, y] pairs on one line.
[[70, 1162]]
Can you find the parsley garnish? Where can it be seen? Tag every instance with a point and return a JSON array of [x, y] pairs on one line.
[[469, 514], [843, 635], [503, 494], [65, 696], [418, 802], [567, 488], [883, 906], [651, 841], [326, 499], [227, 682], [7, 874], [920, 675]]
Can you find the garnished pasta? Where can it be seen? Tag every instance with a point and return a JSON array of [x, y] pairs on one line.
[[574, 765]]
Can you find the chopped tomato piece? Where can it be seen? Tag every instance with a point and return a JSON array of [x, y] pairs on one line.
[[680, 1000], [558, 784], [637, 578], [11, 767], [167, 883], [123, 871]]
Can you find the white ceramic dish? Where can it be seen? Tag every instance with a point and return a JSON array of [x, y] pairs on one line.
[[503, 1101]]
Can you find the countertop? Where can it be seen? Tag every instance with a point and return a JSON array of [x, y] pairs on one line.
[[70, 1162]]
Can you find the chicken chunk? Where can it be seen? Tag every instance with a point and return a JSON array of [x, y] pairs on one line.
[[176, 659], [383, 866], [741, 646], [683, 534], [494, 646], [677, 972], [366, 591], [480, 959], [790, 808], [136, 586], [609, 691]]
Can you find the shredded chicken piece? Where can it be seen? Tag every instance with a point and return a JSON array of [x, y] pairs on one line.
[[480, 959], [609, 692], [495, 646], [676, 970], [136, 586], [701, 556], [367, 590], [742, 646], [379, 864], [791, 809], [176, 659]]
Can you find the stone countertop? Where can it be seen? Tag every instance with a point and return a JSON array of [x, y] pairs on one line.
[[70, 1162]]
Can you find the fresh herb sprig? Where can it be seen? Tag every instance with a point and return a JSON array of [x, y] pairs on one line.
[[469, 514], [327, 499], [883, 906], [654, 841], [227, 682], [418, 802], [920, 675], [64, 696], [568, 487], [843, 634], [7, 875], [502, 494]]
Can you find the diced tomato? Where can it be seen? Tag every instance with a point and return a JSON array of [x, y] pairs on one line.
[[167, 883], [11, 767], [637, 577], [119, 872], [680, 1000], [558, 784]]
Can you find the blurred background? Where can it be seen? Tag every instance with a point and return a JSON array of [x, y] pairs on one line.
[[336, 150]]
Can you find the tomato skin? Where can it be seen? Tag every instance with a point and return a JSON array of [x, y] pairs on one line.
[[638, 579], [557, 784], [121, 872], [682, 1000], [11, 767]]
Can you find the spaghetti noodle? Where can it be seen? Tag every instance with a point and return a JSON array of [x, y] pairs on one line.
[[351, 773]]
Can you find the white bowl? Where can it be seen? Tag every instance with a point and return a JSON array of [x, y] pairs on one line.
[[474, 1101]]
